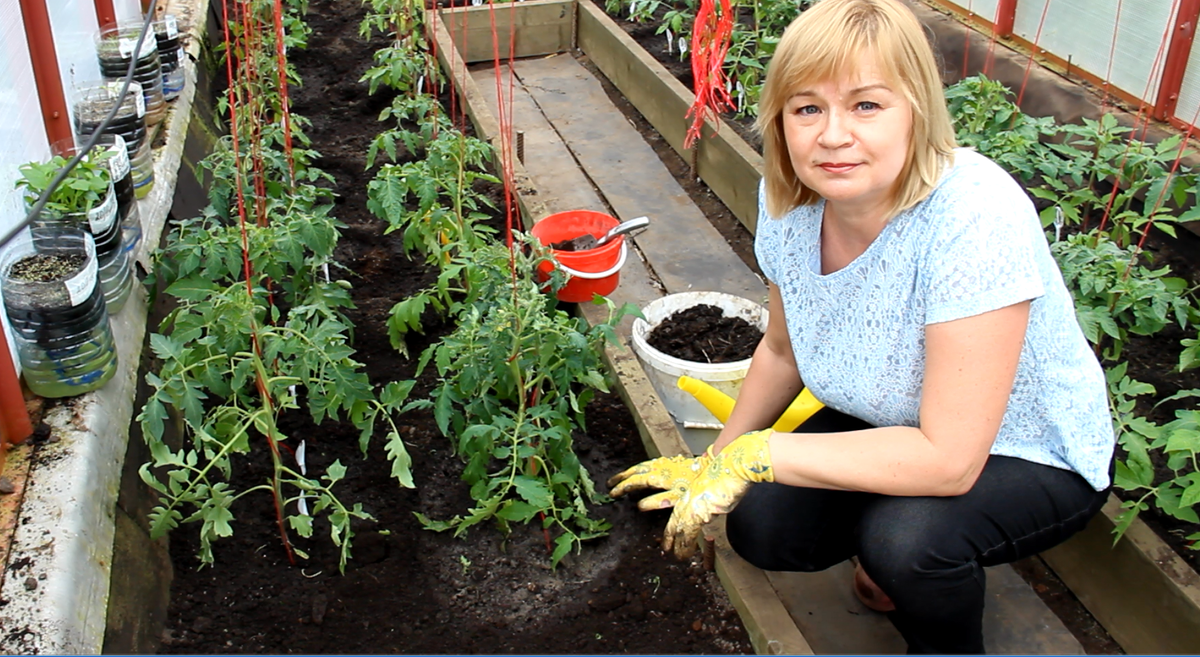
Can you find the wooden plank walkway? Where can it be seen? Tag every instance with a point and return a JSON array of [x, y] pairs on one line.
[[582, 153]]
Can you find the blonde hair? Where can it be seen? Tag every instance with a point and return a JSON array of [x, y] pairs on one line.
[[825, 42]]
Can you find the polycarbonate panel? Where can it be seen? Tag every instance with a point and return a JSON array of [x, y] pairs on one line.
[[1189, 94], [130, 11], [75, 32], [1083, 31], [22, 134], [985, 9]]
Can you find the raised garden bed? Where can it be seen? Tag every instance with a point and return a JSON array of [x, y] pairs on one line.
[[407, 589]]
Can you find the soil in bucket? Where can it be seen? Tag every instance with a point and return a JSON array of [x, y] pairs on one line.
[[702, 334], [593, 271]]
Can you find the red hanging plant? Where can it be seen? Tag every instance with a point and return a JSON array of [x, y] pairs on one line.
[[711, 36]]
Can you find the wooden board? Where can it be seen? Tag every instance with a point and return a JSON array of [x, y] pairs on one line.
[[682, 248], [533, 27], [823, 604], [729, 166], [1143, 593], [561, 185]]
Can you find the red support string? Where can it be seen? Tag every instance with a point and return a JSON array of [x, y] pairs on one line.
[[967, 38], [1162, 193], [1037, 37], [711, 35], [991, 51], [1112, 51], [230, 52], [1142, 115], [505, 127], [281, 58], [233, 131]]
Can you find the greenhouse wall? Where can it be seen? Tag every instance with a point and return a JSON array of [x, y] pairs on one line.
[[1083, 31], [1136, 46]]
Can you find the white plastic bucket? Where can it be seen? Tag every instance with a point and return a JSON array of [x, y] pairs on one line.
[[663, 370]]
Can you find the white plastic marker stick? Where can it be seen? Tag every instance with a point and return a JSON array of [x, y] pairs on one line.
[[1058, 222], [302, 503]]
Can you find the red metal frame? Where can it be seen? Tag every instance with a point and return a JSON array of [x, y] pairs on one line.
[[15, 426], [1178, 52], [40, 37], [1006, 17], [106, 14]]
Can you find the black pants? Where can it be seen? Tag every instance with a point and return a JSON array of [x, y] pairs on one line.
[[926, 553]]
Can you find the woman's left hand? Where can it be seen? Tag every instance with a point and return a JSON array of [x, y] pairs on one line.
[[717, 489]]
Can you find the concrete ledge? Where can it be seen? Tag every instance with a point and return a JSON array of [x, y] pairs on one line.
[[57, 585]]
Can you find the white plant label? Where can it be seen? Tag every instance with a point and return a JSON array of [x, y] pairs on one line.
[[81, 285], [139, 100], [125, 47], [683, 46], [181, 54], [172, 27], [118, 159], [102, 217], [302, 503], [670, 39]]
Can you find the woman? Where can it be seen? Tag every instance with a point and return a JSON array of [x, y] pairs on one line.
[[911, 289]]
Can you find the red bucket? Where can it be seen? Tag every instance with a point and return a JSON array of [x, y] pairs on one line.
[[594, 271]]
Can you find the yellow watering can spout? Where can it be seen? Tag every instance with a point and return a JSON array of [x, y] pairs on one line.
[[717, 402], [721, 404]]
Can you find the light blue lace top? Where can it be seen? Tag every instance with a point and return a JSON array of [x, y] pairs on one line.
[[974, 245]]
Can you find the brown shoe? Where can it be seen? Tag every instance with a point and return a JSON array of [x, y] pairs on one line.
[[869, 594]]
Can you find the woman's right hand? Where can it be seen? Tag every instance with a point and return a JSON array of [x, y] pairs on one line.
[[672, 474]]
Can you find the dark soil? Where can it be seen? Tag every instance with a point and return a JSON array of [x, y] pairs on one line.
[[43, 268], [407, 589], [703, 334]]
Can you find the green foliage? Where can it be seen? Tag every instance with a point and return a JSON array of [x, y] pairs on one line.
[[516, 375], [448, 208], [986, 119], [1175, 494], [258, 329], [81, 190], [1115, 295]]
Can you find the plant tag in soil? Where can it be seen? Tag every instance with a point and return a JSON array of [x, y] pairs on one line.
[[139, 100], [172, 26], [125, 46], [118, 160], [81, 285], [101, 217]]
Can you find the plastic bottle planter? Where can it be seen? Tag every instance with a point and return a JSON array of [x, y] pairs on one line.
[[112, 260], [170, 55], [55, 305], [114, 49], [121, 172], [94, 102]]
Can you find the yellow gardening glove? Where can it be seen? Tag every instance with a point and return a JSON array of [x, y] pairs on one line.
[[670, 473], [718, 488]]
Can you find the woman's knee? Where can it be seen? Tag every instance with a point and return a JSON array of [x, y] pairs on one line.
[[778, 527], [908, 550]]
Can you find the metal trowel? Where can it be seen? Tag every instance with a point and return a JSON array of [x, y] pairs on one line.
[[589, 241]]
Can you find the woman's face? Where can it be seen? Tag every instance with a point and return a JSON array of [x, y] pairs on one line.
[[848, 138]]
